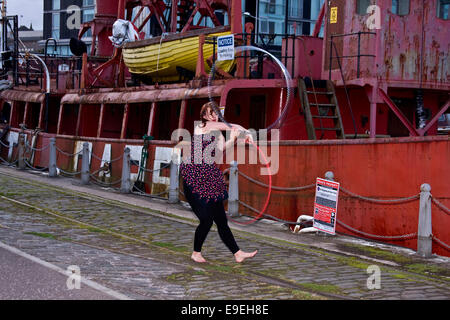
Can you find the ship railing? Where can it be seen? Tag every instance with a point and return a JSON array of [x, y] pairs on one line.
[[20, 158], [334, 54], [65, 71]]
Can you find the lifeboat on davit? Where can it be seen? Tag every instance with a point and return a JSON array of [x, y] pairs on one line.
[[159, 58]]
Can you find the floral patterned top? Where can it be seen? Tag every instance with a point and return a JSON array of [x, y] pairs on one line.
[[202, 175]]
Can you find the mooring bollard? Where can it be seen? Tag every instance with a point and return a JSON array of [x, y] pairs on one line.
[[424, 232], [174, 179], [233, 190], [329, 175], [85, 164], [21, 152], [125, 186], [52, 159]]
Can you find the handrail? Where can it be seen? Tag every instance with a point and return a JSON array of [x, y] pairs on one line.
[[359, 55]]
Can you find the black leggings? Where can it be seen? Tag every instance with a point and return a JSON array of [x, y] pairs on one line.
[[207, 214]]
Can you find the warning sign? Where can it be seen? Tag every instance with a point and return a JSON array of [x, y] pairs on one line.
[[333, 14], [225, 48], [325, 205]]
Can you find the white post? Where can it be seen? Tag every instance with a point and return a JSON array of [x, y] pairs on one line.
[[424, 233], [21, 152], [174, 180], [126, 184], [85, 164], [233, 190], [52, 159]]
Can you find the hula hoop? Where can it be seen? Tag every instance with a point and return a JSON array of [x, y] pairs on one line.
[[268, 194]]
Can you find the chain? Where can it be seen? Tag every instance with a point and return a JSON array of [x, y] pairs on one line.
[[383, 201], [402, 237], [440, 205]]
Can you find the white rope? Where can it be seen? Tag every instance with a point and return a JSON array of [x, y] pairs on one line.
[[159, 49]]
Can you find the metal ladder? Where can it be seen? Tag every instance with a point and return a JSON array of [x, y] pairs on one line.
[[315, 108]]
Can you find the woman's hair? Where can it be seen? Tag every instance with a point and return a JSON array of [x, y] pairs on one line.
[[207, 107]]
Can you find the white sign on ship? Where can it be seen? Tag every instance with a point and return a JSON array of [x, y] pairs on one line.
[[225, 48]]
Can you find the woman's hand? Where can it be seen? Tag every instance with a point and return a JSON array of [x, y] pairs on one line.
[[249, 138]]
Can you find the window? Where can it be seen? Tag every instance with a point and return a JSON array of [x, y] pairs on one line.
[[400, 7], [443, 9], [267, 26], [88, 15], [295, 9], [56, 5], [270, 7], [88, 3], [55, 25], [361, 6]]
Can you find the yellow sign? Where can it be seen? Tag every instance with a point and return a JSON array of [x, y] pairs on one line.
[[334, 15]]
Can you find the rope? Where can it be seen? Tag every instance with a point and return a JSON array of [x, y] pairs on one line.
[[69, 173], [310, 186], [401, 237], [383, 201], [154, 170], [5, 145], [9, 163], [267, 215], [159, 49], [93, 177], [440, 205], [101, 159], [440, 242], [143, 193], [36, 149], [34, 168], [68, 154]]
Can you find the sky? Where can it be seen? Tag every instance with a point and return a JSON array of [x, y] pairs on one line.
[[29, 11]]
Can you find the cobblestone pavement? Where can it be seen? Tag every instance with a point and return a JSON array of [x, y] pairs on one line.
[[145, 255]]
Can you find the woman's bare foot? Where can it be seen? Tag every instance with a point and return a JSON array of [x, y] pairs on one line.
[[197, 257], [242, 255]]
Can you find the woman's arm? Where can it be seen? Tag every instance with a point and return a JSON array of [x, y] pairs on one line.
[[223, 145], [214, 125]]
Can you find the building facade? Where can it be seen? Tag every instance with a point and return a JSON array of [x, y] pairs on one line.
[[282, 16], [62, 20]]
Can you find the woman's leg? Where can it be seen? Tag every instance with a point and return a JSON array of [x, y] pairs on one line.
[[206, 220], [220, 218]]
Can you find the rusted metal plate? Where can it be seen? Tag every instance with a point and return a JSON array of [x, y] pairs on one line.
[[26, 96], [142, 96], [411, 50]]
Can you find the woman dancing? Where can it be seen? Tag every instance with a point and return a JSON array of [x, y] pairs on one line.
[[204, 185]]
